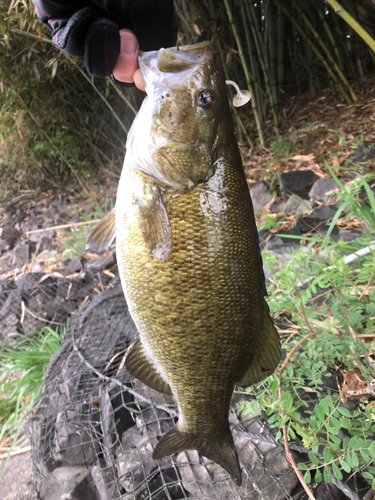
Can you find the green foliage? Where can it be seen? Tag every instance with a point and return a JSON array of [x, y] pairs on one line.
[[54, 119], [283, 148], [320, 298], [22, 368], [75, 243]]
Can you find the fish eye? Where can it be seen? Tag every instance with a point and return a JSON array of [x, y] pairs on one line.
[[205, 99]]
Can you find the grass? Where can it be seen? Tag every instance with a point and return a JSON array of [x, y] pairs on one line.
[[326, 307], [22, 368]]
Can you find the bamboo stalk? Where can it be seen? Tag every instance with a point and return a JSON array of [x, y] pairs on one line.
[[253, 61], [352, 23], [314, 48], [246, 70], [325, 49], [258, 40]]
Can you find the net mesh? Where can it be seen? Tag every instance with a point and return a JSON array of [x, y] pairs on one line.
[[94, 427]]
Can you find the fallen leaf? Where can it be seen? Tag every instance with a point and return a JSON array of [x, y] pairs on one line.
[[197, 30], [309, 157], [353, 384]]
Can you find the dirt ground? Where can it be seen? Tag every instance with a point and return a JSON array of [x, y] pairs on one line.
[[16, 482]]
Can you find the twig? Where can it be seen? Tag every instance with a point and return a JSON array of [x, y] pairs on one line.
[[294, 349], [367, 286], [347, 260], [291, 459], [112, 359], [40, 319], [16, 452], [62, 226]]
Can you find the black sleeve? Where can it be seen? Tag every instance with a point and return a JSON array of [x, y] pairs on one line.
[[91, 29]]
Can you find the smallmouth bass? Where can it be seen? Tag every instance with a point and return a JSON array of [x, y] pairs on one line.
[[188, 253]]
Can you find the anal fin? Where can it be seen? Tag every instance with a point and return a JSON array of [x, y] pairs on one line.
[[139, 365], [219, 449], [267, 355], [100, 238]]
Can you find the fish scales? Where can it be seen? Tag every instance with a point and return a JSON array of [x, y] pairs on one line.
[[189, 256]]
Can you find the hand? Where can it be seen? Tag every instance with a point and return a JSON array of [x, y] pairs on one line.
[[109, 34]]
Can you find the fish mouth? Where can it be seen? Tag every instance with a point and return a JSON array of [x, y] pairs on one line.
[[158, 66]]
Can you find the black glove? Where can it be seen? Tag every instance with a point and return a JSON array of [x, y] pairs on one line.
[[91, 28]]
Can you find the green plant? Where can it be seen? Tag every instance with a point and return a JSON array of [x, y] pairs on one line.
[[22, 368], [75, 242], [283, 148], [325, 301]]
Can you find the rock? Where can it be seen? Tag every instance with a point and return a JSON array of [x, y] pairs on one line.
[[134, 459], [322, 189], [69, 483], [36, 222], [348, 234], [282, 247], [10, 235], [298, 182], [296, 205], [277, 207], [22, 253], [153, 422], [4, 246], [24, 227], [74, 266], [104, 481], [101, 263], [322, 214], [73, 444], [362, 154], [151, 395], [260, 195]]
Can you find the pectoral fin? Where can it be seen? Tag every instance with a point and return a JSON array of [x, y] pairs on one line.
[[156, 230], [140, 366], [153, 217], [101, 237], [266, 357]]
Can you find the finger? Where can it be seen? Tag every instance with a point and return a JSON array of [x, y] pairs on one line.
[[138, 80], [127, 61]]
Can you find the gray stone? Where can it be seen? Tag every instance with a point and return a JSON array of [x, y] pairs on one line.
[[134, 459], [323, 214], [348, 235], [74, 266], [69, 483], [362, 154], [36, 222], [153, 422], [298, 182], [151, 395], [101, 263], [21, 254], [10, 235], [104, 481], [277, 207], [4, 245], [296, 205], [260, 195], [73, 444], [323, 188]]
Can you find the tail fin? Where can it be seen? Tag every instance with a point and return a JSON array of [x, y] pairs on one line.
[[221, 450]]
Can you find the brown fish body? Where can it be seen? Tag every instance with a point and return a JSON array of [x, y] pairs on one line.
[[190, 267]]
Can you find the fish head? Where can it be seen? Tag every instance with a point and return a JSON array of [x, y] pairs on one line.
[[187, 100]]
